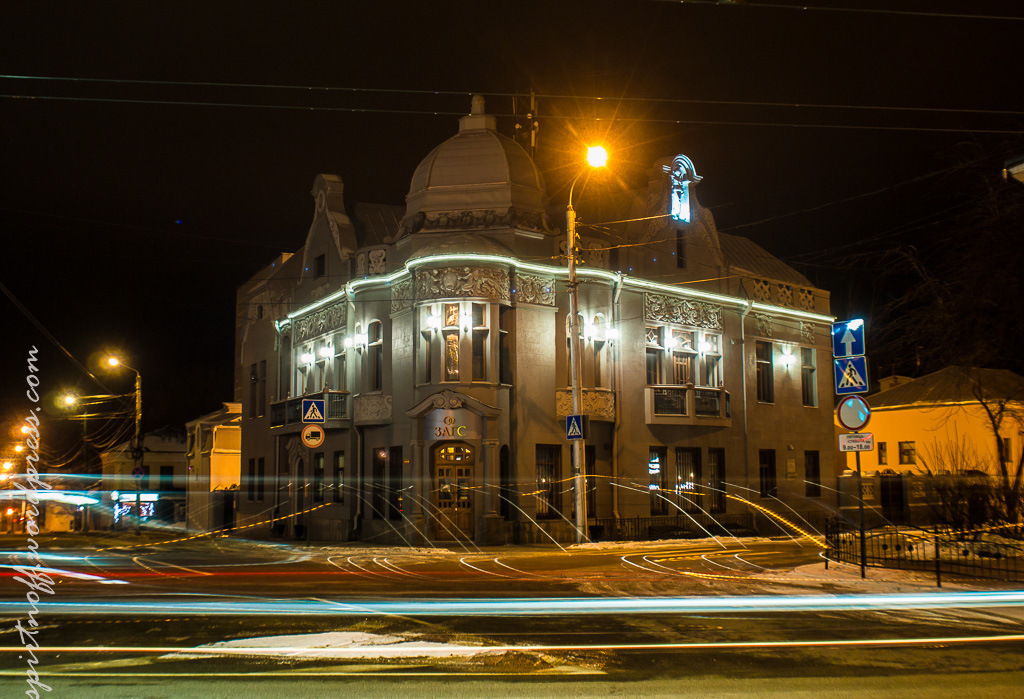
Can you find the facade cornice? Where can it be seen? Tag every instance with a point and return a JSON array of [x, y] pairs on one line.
[[616, 278]]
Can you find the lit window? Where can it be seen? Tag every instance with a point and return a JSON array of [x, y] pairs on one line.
[[711, 347], [765, 372], [908, 453]]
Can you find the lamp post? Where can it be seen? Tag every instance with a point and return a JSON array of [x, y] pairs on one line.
[[136, 444], [596, 157]]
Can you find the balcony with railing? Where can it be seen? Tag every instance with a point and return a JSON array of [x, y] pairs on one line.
[[288, 412], [687, 405]]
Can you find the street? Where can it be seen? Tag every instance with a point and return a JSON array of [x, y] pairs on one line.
[[225, 617]]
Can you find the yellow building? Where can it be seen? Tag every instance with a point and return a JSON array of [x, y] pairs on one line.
[[214, 467], [943, 424]]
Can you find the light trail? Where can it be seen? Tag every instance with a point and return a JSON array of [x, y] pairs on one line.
[[66, 574], [532, 606], [405, 650]]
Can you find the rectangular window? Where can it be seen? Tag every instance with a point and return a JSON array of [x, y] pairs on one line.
[[1007, 449], [765, 372], [808, 386], [812, 474], [254, 382], [261, 398], [319, 266], [504, 345], [395, 483], [261, 479], [451, 355], [166, 478], [338, 479], [883, 453], [688, 478], [908, 453], [711, 347], [318, 477], [715, 481], [657, 470], [376, 349], [680, 249], [598, 368], [250, 481], [479, 343], [549, 486], [766, 461], [654, 352], [378, 499]]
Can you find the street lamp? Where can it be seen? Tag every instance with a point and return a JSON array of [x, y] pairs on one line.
[[114, 362], [596, 157]]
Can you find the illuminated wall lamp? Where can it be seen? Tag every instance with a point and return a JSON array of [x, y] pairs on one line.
[[348, 343], [307, 358], [326, 351], [433, 322]]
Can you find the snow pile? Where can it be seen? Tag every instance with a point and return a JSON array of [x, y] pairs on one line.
[[341, 644]]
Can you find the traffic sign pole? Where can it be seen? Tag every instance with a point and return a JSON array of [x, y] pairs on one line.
[[860, 506]]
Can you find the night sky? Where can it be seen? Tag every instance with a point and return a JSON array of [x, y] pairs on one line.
[[131, 211]]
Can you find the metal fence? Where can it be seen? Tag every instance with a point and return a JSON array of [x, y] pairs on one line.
[[987, 552], [696, 525]]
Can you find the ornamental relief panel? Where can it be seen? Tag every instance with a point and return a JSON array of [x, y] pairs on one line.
[[682, 311], [531, 289], [763, 324], [361, 265], [785, 295], [481, 218], [401, 295], [377, 261], [807, 332], [455, 282], [371, 408], [320, 322], [762, 291], [805, 297], [598, 404]]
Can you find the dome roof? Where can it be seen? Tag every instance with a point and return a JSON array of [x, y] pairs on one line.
[[476, 169], [465, 243]]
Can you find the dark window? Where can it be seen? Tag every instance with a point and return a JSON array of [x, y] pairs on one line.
[[680, 249], [504, 345], [807, 377], [378, 501], [479, 343], [254, 384], [166, 478], [250, 481], [549, 485], [657, 469], [716, 480], [395, 483], [883, 453], [338, 481], [812, 474], [766, 460], [765, 372], [908, 453], [376, 349], [507, 492], [261, 397], [319, 266], [688, 478], [284, 376], [261, 478], [318, 477], [654, 350]]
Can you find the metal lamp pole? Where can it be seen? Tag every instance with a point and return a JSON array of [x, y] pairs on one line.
[[579, 481]]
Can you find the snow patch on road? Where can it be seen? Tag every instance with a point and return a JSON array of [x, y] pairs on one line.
[[343, 644]]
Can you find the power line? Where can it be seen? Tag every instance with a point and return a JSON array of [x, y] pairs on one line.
[[847, 10]]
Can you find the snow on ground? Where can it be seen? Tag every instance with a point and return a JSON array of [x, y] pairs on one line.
[[343, 644]]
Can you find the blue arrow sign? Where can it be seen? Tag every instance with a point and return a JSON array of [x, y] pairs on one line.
[[314, 410], [851, 375], [848, 338], [574, 427]]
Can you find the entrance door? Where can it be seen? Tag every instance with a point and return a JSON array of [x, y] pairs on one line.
[[453, 492], [892, 497]]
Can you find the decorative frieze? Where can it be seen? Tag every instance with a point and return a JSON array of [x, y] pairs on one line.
[[763, 324], [481, 218], [785, 295], [401, 295], [666, 309], [805, 297], [597, 403], [462, 282], [371, 409], [531, 289], [762, 291], [320, 322]]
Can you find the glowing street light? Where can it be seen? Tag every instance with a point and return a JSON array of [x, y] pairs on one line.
[[114, 362], [596, 157]]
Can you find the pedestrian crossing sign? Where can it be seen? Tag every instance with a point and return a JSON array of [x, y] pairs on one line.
[[851, 375], [313, 410], [574, 427]]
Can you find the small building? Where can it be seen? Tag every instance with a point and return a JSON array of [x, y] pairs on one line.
[[156, 492], [213, 465], [937, 432]]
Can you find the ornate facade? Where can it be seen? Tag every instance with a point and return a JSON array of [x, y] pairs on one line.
[[433, 339]]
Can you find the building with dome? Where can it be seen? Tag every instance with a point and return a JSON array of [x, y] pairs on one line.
[[436, 337]]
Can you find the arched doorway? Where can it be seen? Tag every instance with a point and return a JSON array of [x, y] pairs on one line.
[[453, 490]]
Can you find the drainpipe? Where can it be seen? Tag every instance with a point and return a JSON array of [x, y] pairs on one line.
[[357, 519], [743, 385], [617, 383]]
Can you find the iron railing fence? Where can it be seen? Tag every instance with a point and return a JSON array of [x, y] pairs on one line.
[[694, 525], [984, 552]]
